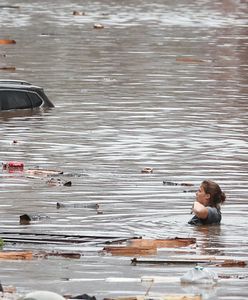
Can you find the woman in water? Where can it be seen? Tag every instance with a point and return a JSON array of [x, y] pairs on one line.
[[206, 207]]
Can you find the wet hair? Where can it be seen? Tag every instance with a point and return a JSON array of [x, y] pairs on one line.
[[213, 189]]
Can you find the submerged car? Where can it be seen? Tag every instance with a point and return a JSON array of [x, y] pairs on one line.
[[17, 94]]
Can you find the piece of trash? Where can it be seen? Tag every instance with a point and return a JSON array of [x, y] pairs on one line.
[[13, 165], [200, 275], [26, 219], [84, 296], [188, 59], [43, 172], [5, 42], [10, 6], [42, 295], [6, 68], [77, 205], [98, 26], [45, 254], [147, 170], [67, 183], [58, 182], [176, 183], [78, 13]]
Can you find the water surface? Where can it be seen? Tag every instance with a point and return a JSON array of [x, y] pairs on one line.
[[162, 85]]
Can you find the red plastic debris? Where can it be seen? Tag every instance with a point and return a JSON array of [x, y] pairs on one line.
[[13, 165]]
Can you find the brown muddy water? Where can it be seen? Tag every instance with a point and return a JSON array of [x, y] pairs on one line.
[[162, 85]]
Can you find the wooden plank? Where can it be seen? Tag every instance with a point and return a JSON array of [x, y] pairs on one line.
[[231, 263], [163, 243], [45, 254], [127, 251], [43, 172], [65, 235], [16, 255], [9, 289], [148, 246], [136, 261], [212, 261], [162, 297], [6, 41], [58, 239]]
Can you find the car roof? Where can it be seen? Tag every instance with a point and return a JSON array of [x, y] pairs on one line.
[[11, 83]]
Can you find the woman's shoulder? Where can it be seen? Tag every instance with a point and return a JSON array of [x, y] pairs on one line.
[[214, 215]]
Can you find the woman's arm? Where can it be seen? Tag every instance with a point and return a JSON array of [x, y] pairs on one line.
[[200, 210]]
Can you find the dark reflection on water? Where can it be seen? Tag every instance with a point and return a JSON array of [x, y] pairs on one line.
[[211, 240], [162, 85]]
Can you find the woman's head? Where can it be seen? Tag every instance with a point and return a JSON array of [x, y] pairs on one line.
[[213, 192]]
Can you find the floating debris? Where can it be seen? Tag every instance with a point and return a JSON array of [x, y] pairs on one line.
[[26, 219], [42, 295], [43, 238], [162, 297], [232, 263], [190, 191], [164, 243], [43, 172], [45, 254], [83, 296], [13, 165], [176, 183], [210, 261], [8, 68], [189, 59], [6, 42], [98, 26], [16, 255], [10, 6], [147, 170], [127, 251], [147, 246], [78, 13], [77, 205], [58, 182], [200, 275], [8, 289]]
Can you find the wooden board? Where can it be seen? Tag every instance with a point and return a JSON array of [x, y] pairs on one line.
[[163, 243], [130, 251], [16, 255], [163, 297]]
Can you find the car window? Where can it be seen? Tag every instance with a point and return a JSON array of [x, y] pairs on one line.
[[14, 100], [18, 99], [35, 99]]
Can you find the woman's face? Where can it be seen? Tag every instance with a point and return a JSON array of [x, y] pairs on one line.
[[202, 197]]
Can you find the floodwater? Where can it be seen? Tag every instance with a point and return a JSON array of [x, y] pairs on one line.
[[163, 85]]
